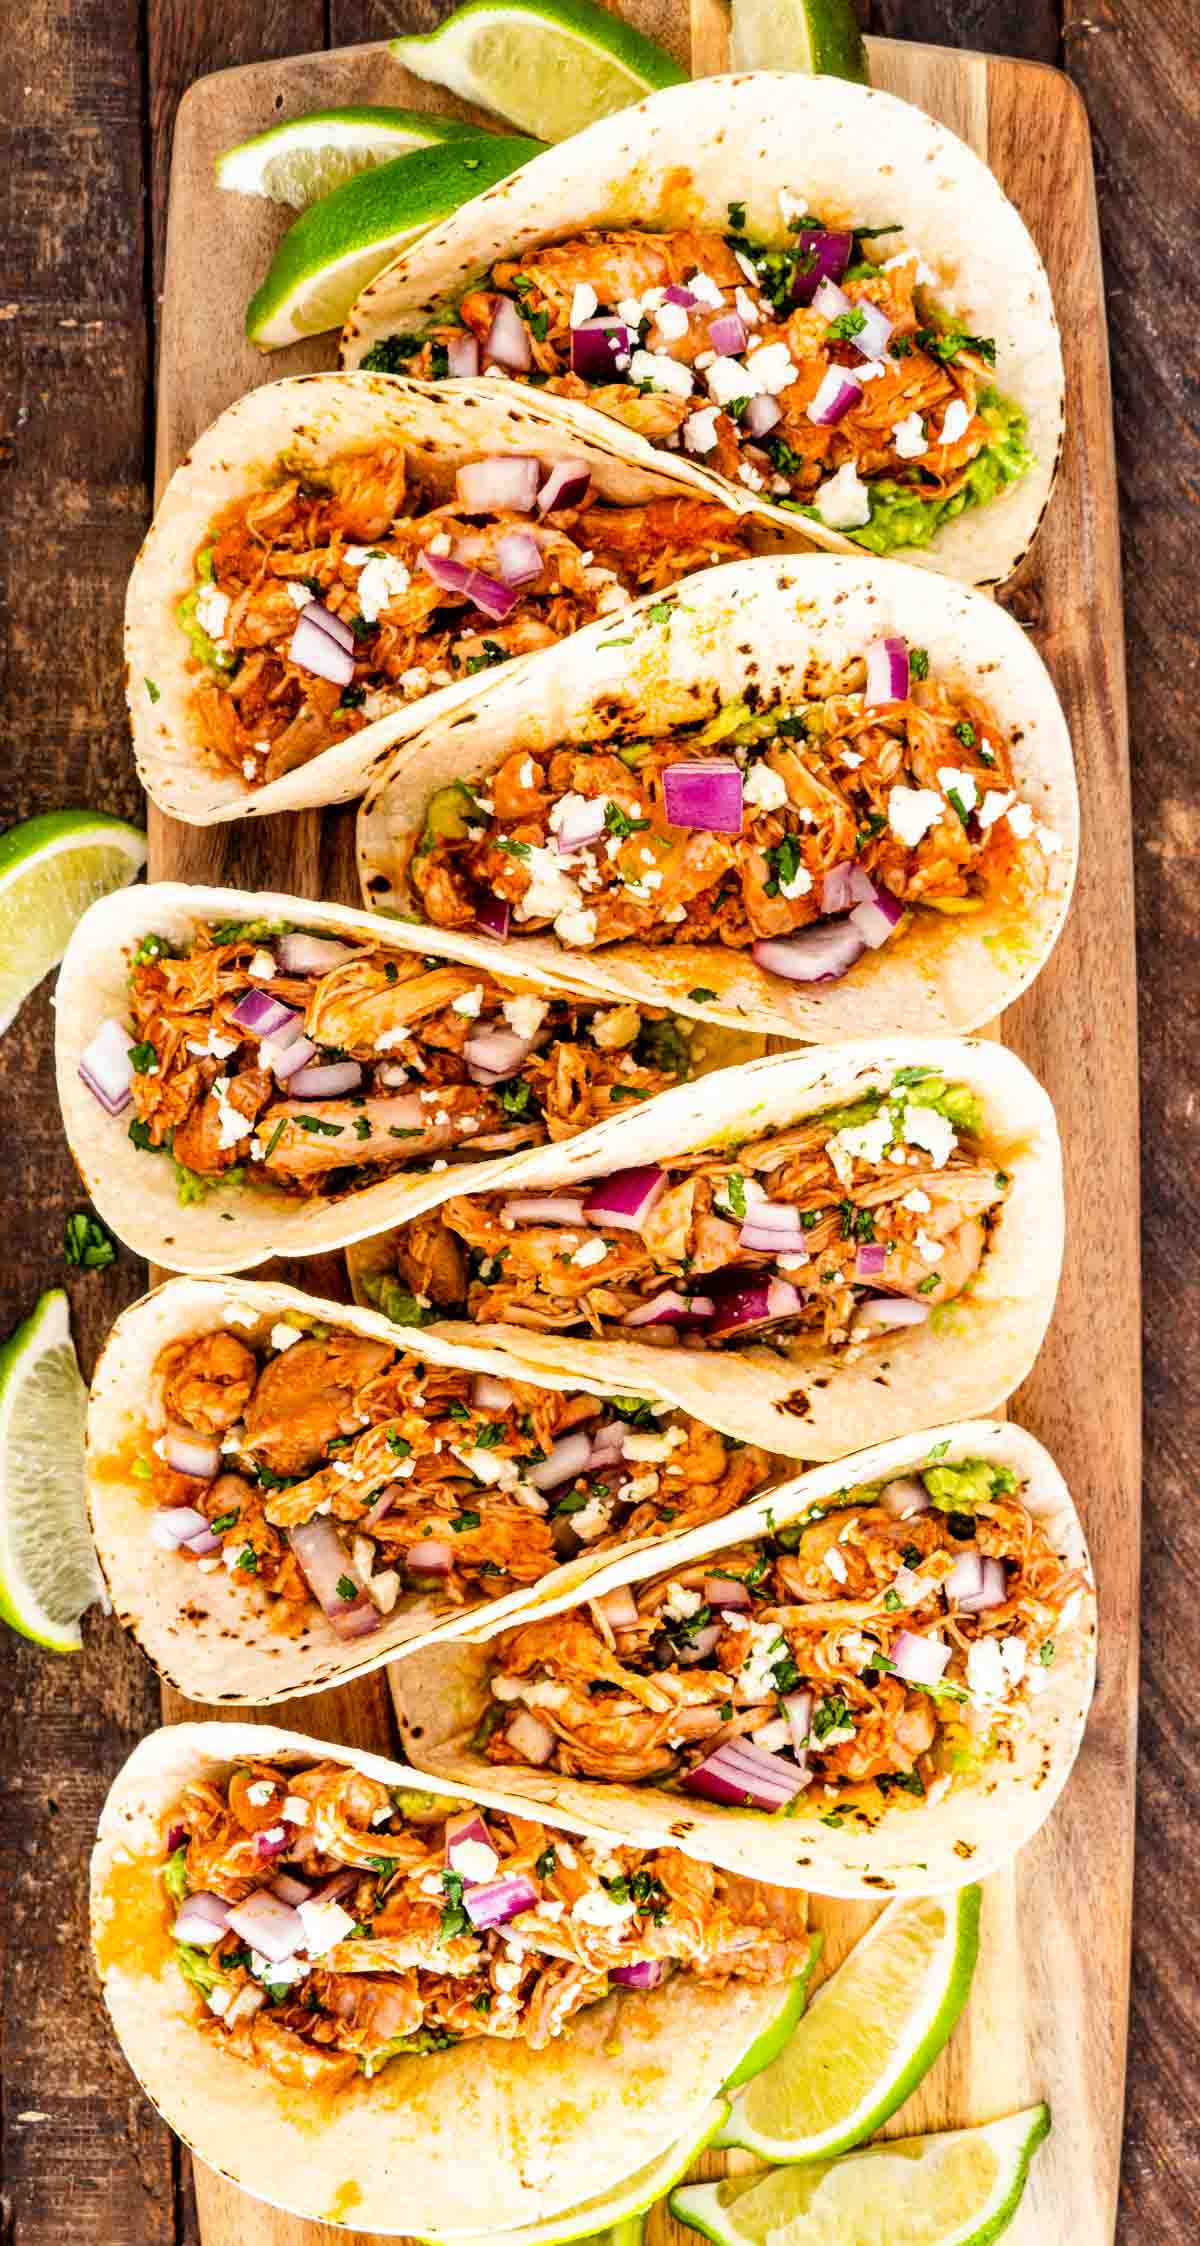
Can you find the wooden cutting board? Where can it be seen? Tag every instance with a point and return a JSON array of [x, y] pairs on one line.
[[1047, 2016]]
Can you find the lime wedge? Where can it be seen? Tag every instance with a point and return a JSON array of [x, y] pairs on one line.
[[959, 2189], [305, 158], [820, 37], [51, 869], [616, 2217], [869, 2035], [328, 256], [768, 2044], [48, 1570], [550, 66]]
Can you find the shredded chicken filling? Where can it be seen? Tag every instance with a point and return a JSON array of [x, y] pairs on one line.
[[357, 1475], [352, 537], [393, 1964], [809, 1666]]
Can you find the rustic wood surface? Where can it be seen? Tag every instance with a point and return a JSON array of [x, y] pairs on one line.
[[86, 139]]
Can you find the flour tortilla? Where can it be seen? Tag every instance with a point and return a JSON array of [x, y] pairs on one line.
[[314, 418], [484, 2136], [237, 1226], [762, 629], [906, 1847], [795, 1396], [214, 1636], [855, 156]]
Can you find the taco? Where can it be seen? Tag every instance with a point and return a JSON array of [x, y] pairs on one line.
[[340, 557], [873, 1683], [246, 1075], [826, 797], [336, 1978], [806, 295], [286, 1492], [811, 1251]]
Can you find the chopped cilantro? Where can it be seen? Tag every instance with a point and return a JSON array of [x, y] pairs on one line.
[[892, 1601], [846, 324], [225, 1521], [152, 690], [512, 849], [275, 1137], [547, 1862], [318, 1126], [618, 822], [397, 1445], [832, 1714], [701, 995], [88, 1245], [737, 216], [490, 652], [247, 1560], [454, 1917], [464, 1521], [1046, 1653], [964, 731], [391, 354], [345, 1587], [918, 662]]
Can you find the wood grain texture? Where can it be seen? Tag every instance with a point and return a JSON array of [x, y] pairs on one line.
[[1013, 2046]]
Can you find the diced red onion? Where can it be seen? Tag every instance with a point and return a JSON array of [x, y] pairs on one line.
[[965, 1580], [381, 1506], [624, 1200], [296, 1055], [496, 599], [872, 338], [262, 1014], [701, 1646], [317, 651], [992, 1592], [648, 1973], [176, 1836], [565, 1458], [567, 485], [608, 1443], [904, 1497], [831, 255], [106, 1068], [197, 1455], [704, 794], [830, 301], [675, 293], [272, 1843], [462, 357], [493, 917], [619, 1608], [172, 1525], [836, 895], [891, 1310], [203, 1544], [798, 1708], [505, 483], [491, 1395], [468, 1827], [498, 1900], [545, 1208], [300, 954], [761, 414], [671, 1309], [533, 1739], [507, 340], [272, 1928], [722, 1591], [727, 335], [291, 1890], [328, 1081], [887, 671], [201, 1920], [493, 1054], [338, 1884], [741, 1774], [773, 1228], [821, 954], [429, 1557], [518, 558], [452, 576], [862, 888], [919, 1660], [335, 627], [870, 1259], [878, 919], [752, 1302], [324, 1562], [596, 345], [581, 823], [836, 393]]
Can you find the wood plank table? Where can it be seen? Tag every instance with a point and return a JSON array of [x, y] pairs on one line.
[[81, 323]]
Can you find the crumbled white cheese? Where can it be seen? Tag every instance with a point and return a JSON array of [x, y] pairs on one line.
[[282, 1337], [843, 501], [659, 368], [598, 1908], [468, 1002], [648, 1448], [212, 610], [700, 430], [770, 368], [836, 1565], [756, 1677], [592, 1520], [486, 1467], [614, 1030], [1020, 820], [956, 422], [912, 811], [746, 309], [592, 1251], [551, 889], [681, 1604], [765, 788], [951, 777], [929, 1250], [924, 1127], [705, 289], [908, 437], [917, 1201], [583, 303], [383, 580], [232, 1126], [727, 379], [923, 278], [798, 884], [299, 595], [525, 1015], [474, 1859], [995, 803], [576, 926], [296, 1809], [671, 320], [262, 967], [865, 1142], [325, 1924], [259, 1794]]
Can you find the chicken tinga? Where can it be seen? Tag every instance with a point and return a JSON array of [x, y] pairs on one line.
[[882, 1642], [825, 373], [320, 1065], [807, 832], [330, 1924], [853, 1222], [330, 597], [332, 1469]]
